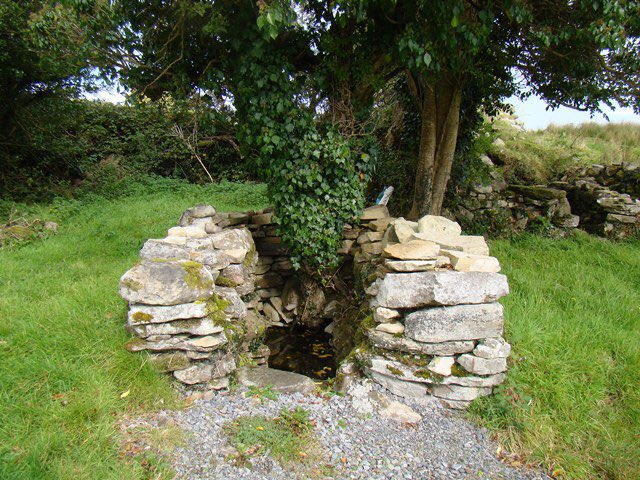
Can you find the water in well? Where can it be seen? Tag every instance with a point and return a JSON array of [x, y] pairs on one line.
[[301, 350]]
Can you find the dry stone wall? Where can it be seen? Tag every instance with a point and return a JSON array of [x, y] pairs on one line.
[[201, 298], [603, 200]]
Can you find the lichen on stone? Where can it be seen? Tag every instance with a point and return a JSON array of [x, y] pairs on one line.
[[142, 317], [193, 275], [131, 284], [395, 371], [222, 281], [216, 307]]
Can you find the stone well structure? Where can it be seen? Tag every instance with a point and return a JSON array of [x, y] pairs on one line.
[[427, 321]]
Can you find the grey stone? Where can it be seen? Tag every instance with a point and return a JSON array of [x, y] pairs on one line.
[[403, 344], [492, 348], [179, 342], [236, 307], [459, 322], [202, 211], [410, 265], [279, 380], [441, 365], [398, 387], [374, 213], [157, 248], [195, 326], [457, 392], [200, 373], [393, 328], [393, 409], [482, 366], [442, 225], [233, 239], [488, 381], [166, 283], [142, 314], [412, 290]]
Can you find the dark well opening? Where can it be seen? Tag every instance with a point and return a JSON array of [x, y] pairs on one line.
[[298, 349]]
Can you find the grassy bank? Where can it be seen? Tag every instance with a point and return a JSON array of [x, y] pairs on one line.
[[572, 399], [63, 368], [540, 156]]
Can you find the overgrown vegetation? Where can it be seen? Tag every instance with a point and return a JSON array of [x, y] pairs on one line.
[[571, 400], [64, 368], [542, 156]]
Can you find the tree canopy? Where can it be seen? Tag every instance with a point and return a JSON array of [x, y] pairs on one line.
[[305, 77]]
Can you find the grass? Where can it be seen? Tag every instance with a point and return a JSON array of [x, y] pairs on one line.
[[63, 367], [571, 401], [572, 398], [288, 438], [540, 156]]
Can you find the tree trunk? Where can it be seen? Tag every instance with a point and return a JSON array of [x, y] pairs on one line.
[[439, 104]]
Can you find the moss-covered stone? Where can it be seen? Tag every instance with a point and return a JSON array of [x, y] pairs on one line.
[[142, 317], [193, 275], [169, 362], [458, 371], [222, 281], [131, 284], [395, 371], [216, 307]]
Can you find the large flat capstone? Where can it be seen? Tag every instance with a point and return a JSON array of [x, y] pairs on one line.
[[279, 380], [419, 289], [459, 322], [166, 282]]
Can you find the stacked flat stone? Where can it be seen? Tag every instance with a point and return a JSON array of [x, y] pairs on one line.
[[438, 326], [185, 297], [606, 198]]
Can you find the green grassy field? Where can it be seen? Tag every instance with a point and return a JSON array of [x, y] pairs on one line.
[[572, 398], [571, 401], [63, 367]]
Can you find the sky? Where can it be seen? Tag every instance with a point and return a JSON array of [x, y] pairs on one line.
[[531, 112]]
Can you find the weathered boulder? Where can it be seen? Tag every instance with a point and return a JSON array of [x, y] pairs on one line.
[[398, 387], [236, 238], [166, 282], [384, 315], [189, 232], [235, 308], [413, 290], [199, 373], [459, 322], [475, 244], [393, 409]]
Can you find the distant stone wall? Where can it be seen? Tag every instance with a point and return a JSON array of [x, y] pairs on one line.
[[601, 200]]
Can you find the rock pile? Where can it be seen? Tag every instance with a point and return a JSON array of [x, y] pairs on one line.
[[436, 325], [183, 308]]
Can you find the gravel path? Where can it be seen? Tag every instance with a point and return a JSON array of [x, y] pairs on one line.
[[443, 445]]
